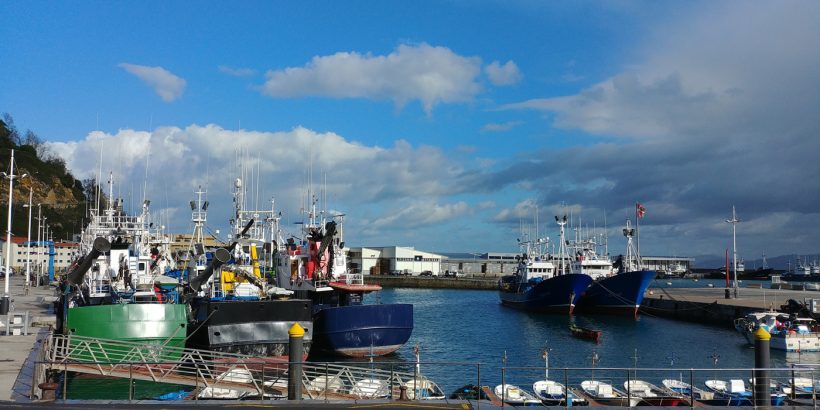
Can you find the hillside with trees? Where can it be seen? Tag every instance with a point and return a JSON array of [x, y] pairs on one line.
[[62, 198]]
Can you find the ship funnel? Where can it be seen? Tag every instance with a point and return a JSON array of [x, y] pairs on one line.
[[99, 247], [221, 255]]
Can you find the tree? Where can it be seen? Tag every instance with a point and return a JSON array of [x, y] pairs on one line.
[[32, 139], [8, 132]]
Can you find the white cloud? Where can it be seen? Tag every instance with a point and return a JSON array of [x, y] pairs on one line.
[[359, 180], [715, 73], [432, 75], [522, 210], [167, 85], [237, 72], [421, 214], [502, 127], [507, 74]]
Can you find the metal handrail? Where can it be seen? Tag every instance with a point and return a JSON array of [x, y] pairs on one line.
[[226, 373]]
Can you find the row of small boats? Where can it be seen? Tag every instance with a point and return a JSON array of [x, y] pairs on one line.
[[642, 393]]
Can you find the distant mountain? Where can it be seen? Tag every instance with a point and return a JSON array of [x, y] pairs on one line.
[[776, 262]]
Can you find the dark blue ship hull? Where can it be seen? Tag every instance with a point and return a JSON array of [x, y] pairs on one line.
[[558, 294], [363, 330], [618, 294]]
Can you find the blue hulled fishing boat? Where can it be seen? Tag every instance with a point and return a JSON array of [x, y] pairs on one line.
[[623, 291], [316, 268], [540, 286]]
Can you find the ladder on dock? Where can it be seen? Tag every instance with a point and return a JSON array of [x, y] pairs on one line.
[[227, 375]]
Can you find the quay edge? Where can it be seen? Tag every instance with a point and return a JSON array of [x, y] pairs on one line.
[[711, 307], [488, 283]]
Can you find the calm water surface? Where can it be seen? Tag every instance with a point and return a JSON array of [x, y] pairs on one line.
[[472, 326]]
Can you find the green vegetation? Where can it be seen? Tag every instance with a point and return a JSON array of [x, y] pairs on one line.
[[62, 197]]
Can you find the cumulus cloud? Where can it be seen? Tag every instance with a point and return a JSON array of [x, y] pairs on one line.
[[506, 74], [431, 75], [181, 159], [522, 210], [421, 214], [237, 72], [167, 85]]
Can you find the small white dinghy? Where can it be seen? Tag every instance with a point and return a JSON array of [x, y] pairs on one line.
[[604, 393], [515, 396]]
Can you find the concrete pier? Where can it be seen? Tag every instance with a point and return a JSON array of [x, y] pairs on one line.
[[17, 353], [710, 306], [432, 282]]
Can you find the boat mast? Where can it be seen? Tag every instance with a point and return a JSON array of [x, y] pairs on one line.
[[633, 259], [562, 247], [734, 221]]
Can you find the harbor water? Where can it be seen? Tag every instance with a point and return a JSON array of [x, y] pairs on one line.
[[472, 326], [456, 329]]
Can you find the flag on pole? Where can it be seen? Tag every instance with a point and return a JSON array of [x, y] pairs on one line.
[[639, 210]]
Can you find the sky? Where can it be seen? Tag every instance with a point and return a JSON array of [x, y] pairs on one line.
[[449, 126]]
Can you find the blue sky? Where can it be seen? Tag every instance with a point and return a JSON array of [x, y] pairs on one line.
[[441, 125]]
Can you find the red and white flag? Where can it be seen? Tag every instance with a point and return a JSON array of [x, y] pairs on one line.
[[639, 210]]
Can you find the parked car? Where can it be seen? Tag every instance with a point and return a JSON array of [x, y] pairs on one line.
[[426, 273]]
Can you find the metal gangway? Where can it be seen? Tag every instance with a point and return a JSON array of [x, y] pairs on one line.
[[227, 375]]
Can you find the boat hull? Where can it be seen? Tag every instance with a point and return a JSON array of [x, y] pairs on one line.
[[363, 330], [618, 294], [558, 294], [149, 324], [249, 327]]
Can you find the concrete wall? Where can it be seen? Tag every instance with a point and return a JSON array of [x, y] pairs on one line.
[[432, 282]]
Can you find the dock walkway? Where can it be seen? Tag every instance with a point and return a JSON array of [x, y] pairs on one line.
[[16, 352], [710, 306]]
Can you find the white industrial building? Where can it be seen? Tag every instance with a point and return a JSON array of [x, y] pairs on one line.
[[387, 259]]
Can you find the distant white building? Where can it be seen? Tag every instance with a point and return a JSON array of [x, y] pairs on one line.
[[64, 254], [383, 260]]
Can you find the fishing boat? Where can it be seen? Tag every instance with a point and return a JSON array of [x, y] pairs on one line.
[[653, 395], [538, 285], [788, 333], [515, 396], [117, 289], [584, 333], [623, 291], [316, 268], [234, 308], [607, 395]]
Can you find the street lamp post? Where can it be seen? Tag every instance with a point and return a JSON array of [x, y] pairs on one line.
[[28, 239], [734, 221], [39, 225], [5, 302], [43, 248]]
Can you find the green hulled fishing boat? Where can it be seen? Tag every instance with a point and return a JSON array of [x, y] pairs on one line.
[[118, 291]]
